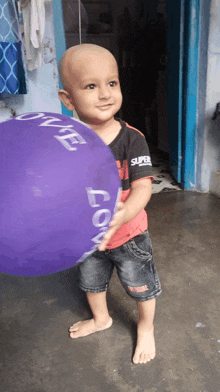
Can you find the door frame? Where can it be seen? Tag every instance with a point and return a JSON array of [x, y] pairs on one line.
[[190, 87], [183, 85]]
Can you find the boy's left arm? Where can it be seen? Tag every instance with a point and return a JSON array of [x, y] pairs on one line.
[[139, 197]]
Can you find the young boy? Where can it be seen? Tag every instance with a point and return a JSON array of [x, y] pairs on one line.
[[89, 75]]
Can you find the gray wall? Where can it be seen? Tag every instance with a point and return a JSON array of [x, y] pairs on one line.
[[208, 143]]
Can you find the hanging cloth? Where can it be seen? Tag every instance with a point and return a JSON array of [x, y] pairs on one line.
[[34, 28], [12, 67]]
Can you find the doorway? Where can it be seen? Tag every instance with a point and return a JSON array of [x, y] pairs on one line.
[[136, 35], [126, 28]]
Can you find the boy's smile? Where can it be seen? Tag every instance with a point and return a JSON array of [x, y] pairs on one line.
[[104, 107]]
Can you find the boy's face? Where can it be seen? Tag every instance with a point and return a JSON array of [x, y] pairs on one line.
[[95, 91]]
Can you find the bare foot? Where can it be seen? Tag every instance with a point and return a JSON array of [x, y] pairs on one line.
[[84, 328], [145, 349]]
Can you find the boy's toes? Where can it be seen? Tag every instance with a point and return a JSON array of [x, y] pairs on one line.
[[142, 357], [152, 356], [74, 327], [136, 358], [84, 328]]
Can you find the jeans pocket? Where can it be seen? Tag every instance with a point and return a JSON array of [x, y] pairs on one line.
[[141, 246]]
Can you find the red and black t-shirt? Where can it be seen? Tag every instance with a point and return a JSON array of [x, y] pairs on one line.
[[132, 156]]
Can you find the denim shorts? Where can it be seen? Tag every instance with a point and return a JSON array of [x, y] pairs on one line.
[[135, 267]]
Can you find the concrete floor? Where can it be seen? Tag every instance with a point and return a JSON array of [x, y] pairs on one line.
[[37, 354]]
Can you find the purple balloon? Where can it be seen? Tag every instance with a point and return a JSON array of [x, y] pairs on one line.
[[59, 191]]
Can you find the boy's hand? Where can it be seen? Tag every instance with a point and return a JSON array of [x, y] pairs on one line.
[[117, 221]]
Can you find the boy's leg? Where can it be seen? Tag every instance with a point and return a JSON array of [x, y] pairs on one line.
[[138, 274], [101, 318], [145, 349], [94, 276]]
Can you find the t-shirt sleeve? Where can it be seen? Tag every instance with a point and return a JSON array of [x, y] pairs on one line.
[[139, 160]]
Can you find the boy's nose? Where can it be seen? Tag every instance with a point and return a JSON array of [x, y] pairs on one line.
[[104, 92]]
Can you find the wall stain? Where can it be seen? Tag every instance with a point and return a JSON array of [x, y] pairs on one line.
[[48, 51], [13, 113]]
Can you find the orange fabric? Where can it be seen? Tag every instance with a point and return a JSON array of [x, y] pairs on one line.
[[123, 171]]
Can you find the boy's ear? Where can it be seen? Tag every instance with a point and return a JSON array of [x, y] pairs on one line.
[[65, 98]]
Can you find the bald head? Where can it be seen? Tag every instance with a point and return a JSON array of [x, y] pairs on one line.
[[74, 58]]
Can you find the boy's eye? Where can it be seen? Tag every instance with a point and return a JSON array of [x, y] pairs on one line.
[[90, 87], [112, 84]]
